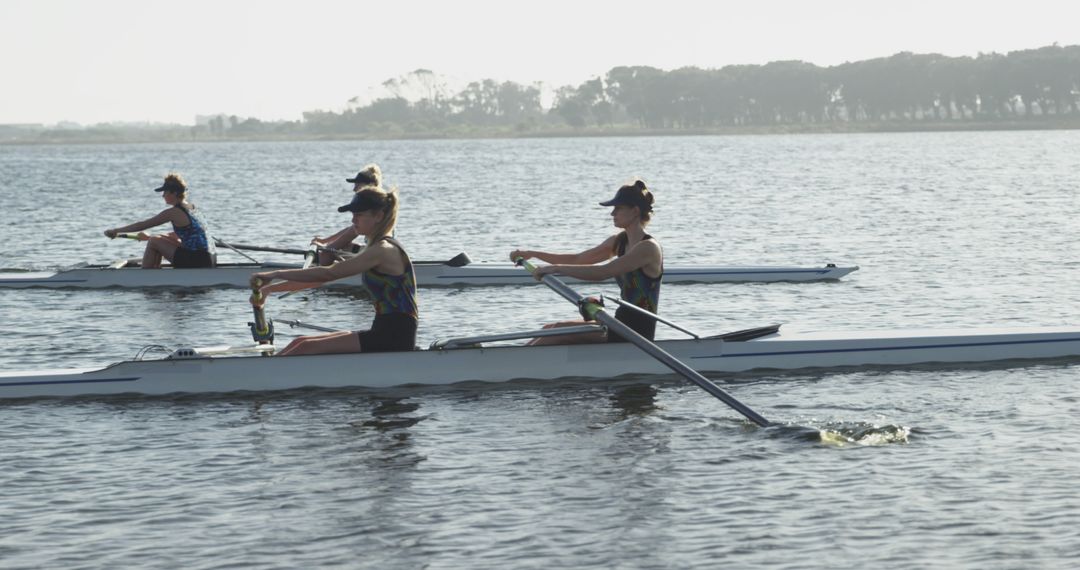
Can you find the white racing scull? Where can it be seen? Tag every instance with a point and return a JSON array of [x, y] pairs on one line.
[[456, 272], [221, 369]]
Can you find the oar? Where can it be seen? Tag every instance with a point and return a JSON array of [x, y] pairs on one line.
[[268, 249], [264, 248], [262, 328], [309, 258], [295, 324], [252, 259], [592, 310], [651, 315]]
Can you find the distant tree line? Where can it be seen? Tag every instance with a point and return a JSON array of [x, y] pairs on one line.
[[905, 87], [481, 105], [1041, 86]]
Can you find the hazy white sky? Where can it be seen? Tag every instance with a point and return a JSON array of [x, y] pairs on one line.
[[137, 60]]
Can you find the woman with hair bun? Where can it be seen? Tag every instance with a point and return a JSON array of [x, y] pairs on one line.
[[189, 245], [385, 269], [638, 267], [369, 177]]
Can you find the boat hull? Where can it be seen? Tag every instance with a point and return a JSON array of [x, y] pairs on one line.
[[428, 274], [780, 351]]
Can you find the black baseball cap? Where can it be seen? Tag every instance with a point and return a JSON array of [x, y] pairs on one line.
[[362, 202], [630, 195], [173, 185]]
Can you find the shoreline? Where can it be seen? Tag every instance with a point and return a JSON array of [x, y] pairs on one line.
[[179, 135]]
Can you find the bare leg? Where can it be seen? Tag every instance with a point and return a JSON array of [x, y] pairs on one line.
[[580, 338], [343, 342], [156, 248]]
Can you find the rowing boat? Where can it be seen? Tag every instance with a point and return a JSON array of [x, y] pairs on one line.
[[222, 369], [455, 272]]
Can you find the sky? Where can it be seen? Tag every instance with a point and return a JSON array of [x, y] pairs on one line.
[[91, 61]]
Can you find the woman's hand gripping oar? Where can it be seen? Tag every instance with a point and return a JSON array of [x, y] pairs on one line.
[[591, 309], [140, 236], [262, 328]]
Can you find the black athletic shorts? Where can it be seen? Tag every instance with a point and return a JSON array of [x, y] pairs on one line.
[[392, 332], [642, 324], [191, 259]]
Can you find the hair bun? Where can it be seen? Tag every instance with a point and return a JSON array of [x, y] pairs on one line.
[[640, 184]]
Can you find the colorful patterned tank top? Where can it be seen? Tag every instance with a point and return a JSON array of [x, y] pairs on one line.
[[194, 236], [636, 287], [393, 293]]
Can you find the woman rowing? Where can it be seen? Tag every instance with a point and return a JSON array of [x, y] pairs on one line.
[[385, 269], [189, 245], [369, 176], [638, 267]]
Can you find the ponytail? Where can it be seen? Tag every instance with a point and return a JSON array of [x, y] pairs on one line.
[[643, 198], [389, 209]]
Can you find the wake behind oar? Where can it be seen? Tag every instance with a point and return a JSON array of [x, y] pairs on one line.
[[591, 309]]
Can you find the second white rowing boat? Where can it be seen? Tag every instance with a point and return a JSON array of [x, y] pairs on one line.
[[456, 272]]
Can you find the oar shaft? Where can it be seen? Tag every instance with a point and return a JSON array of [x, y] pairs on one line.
[[296, 323], [597, 312], [263, 248], [309, 258], [224, 243], [677, 365], [651, 315]]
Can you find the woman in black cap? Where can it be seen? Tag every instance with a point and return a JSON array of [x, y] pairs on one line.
[[369, 177], [385, 269], [638, 266], [189, 245]]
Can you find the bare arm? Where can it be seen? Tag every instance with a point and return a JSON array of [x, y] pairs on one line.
[[643, 255], [296, 279], [602, 252], [339, 239], [165, 216]]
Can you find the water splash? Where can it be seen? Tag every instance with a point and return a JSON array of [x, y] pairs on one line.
[[844, 434]]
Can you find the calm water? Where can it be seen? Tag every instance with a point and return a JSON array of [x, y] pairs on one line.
[[959, 467]]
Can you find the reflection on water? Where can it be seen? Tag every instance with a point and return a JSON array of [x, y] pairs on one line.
[[635, 399], [390, 414]]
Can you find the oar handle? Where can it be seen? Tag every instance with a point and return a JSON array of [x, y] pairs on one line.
[[128, 235]]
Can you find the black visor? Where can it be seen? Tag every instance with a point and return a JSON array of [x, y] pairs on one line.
[[361, 202]]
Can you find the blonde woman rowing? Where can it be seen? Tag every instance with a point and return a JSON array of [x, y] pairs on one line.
[[385, 269]]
